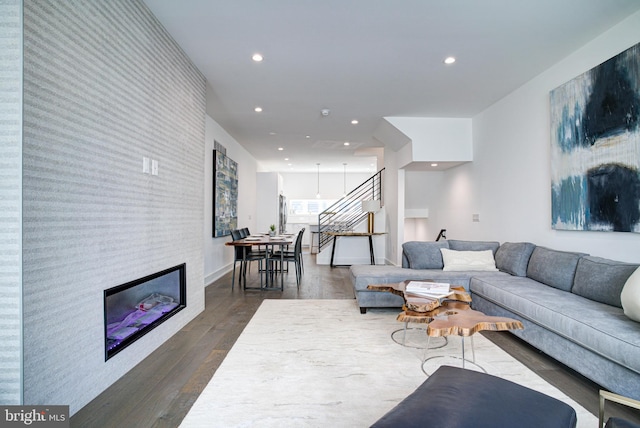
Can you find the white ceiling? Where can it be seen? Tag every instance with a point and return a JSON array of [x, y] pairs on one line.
[[367, 59]]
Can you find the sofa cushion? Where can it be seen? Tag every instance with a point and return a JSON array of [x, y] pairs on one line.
[[554, 268], [630, 296], [513, 257], [468, 260], [364, 275], [424, 255], [601, 279], [598, 327], [458, 245]]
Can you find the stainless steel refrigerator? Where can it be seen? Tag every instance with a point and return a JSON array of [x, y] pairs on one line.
[[282, 214]]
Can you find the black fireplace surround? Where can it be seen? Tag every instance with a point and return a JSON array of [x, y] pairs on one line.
[[133, 309]]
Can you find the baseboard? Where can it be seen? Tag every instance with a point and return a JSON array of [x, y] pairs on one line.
[[214, 276]]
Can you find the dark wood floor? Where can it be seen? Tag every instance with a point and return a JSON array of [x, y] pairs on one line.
[[160, 390]]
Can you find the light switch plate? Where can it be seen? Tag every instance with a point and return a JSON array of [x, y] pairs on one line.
[[145, 165]]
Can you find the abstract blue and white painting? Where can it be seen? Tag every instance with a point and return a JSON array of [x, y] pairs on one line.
[[225, 194], [595, 148]]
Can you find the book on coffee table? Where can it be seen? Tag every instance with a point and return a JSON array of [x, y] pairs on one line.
[[431, 290]]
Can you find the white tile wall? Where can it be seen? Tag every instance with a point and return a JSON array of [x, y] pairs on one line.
[[10, 202], [104, 87]]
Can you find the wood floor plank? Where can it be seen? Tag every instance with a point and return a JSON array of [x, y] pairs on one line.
[[160, 390], [579, 388]]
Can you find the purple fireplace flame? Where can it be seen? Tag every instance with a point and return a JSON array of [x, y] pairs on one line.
[[133, 309]]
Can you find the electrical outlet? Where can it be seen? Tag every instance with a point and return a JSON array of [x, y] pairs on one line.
[[154, 167], [475, 218]]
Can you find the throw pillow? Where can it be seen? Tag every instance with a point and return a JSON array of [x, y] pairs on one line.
[[424, 255], [630, 296], [513, 257], [468, 260]]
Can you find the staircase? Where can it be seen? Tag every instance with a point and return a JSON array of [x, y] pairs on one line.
[[347, 212]]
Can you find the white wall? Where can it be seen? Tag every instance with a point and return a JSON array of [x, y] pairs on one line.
[[394, 208], [436, 139], [268, 191], [508, 183], [422, 190], [218, 258], [305, 185]]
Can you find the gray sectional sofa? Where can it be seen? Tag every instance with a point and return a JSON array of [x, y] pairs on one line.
[[568, 302]]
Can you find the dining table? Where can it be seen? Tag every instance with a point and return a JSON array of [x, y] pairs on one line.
[[268, 242]]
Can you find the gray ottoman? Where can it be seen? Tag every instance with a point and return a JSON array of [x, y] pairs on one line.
[[453, 397]]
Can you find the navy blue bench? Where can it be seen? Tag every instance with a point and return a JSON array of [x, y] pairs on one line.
[[455, 398]]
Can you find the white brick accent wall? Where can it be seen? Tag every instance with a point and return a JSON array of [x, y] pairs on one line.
[[104, 87], [11, 202]]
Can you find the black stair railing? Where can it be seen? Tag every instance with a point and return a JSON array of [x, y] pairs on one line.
[[347, 212]]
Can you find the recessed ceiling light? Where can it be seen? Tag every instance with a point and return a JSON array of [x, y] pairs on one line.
[[258, 109], [434, 164], [286, 159], [449, 60], [273, 133], [308, 136], [281, 148], [354, 122], [346, 143], [257, 57]]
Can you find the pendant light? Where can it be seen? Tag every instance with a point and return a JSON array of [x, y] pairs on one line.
[[318, 194]]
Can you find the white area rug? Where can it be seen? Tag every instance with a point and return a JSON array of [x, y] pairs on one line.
[[320, 363]]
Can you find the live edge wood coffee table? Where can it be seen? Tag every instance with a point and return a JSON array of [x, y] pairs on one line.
[[465, 324], [422, 310], [450, 316]]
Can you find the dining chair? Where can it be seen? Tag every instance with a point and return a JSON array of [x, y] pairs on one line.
[[290, 253], [253, 253], [245, 256], [294, 256], [252, 256], [238, 257], [301, 258], [235, 234]]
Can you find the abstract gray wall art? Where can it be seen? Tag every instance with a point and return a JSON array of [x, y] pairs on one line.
[[225, 198], [595, 148]]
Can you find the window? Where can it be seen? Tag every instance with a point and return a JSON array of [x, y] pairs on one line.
[[309, 206]]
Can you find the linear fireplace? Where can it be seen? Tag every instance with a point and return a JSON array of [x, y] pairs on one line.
[[133, 309]]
